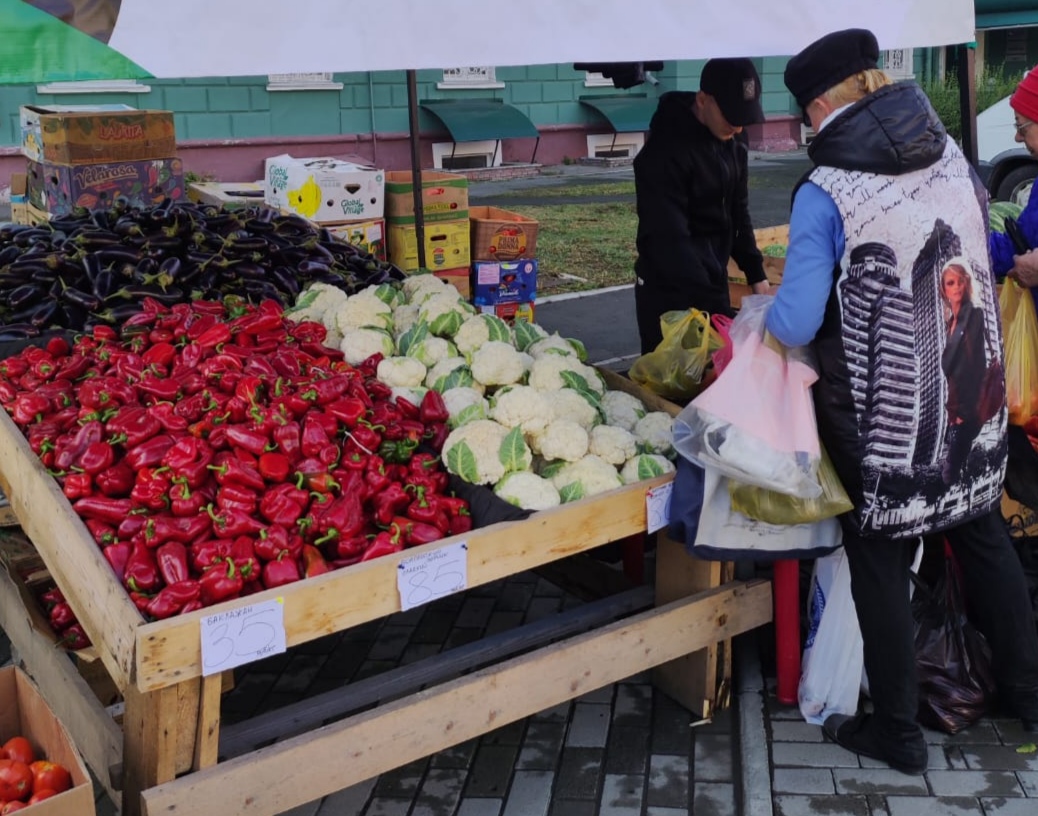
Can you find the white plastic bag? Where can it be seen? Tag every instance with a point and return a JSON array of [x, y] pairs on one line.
[[756, 422], [725, 535]]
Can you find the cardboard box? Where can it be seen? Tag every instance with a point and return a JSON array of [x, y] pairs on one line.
[[504, 282], [458, 278], [91, 134], [368, 235], [60, 188], [501, 235], [510, 312], [324, 190], [446, 245], [234, 195], [24, 711], [19, 198], [445, 196]]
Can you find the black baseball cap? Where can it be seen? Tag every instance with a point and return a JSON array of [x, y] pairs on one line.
[[735, 85]]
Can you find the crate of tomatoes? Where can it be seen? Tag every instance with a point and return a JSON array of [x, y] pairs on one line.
[[40, 769]]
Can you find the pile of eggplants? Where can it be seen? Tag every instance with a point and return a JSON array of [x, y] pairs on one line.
[[97, 267]]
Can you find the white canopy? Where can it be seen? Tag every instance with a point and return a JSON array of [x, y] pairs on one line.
[[197, 38]]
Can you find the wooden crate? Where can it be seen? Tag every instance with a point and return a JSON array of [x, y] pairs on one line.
[[773, 267], [171, 722]]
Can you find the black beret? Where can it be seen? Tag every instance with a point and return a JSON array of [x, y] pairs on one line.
[[825, 63]]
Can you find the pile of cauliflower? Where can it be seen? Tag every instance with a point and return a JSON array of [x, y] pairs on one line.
[[528, 416]]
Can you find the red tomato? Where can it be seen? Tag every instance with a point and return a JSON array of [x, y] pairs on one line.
[[40, 795], [15, 780], [19, 748], [50, 776]]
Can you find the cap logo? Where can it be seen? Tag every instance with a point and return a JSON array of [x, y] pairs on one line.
[[749, 90]]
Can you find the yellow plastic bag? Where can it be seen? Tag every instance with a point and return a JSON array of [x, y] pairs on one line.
[[780, 508], [1020, 325], [674, 370]]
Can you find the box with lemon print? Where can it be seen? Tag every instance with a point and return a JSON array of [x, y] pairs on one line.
[[324, 190]]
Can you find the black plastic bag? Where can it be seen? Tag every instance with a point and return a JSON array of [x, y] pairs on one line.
[[953, 660]]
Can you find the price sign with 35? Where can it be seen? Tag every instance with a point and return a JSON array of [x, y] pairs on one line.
[[241, 635], [431, 575]]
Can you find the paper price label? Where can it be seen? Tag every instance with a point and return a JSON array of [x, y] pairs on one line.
[[435, 574], [239, 636], [657, 507]]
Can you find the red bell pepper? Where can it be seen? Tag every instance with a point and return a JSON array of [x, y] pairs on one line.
[[142, 570], [163, 389], [220, 582], [243, 553], [384, 543], [148, 454], [288, 440], [388, 502], [102, 533], [238, 498], [172, 599], [274, 467], [232, 523], [109, 510], [132, 426], [151, 489], [433, 409], [415, 533], [253, 441], [313, 562], [426, 508], [172, 561], [68, 449], [117, 481], [182, 529], [78, 485], [280, 571], [117, 555], [165, 413], [75, 637], [348, 410], [97, 456], [61, 616], [161, 354], [231, 470]]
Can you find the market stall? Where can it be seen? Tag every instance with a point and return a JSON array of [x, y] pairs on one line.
[[163, 754]]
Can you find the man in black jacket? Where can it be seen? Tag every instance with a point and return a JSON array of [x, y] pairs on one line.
[[693, 211]]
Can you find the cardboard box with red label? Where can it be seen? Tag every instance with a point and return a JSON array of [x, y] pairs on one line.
[[445, 196], [510, 312], [446, 245], [88, 134], [369, 236], [458, 278], [501, 235], [496, 282]]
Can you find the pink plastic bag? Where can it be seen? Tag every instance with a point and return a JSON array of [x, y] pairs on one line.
[[723, 356]]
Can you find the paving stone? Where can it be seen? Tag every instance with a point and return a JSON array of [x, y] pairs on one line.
[[627, 751], [503, 622], [326, 645], [557, 713], [602, 695], [934, 806], [1008, 807], [1012, 732], [974, 783], [668, 781], [803, 780], [300, 673], [547, 589], [371, 668], [878, 780], [811, 755], [541, 746], [491, 770], [542, 607], [589, 726], [779, 711], [440, 792], [475, 613], [418, 651], [877, 805], [434, 627], [1029, 782], [956, 761], [814, 805], [622, 795], [401, 782], [388, 807], [633, 705], [670, 727], [578, 774], [511, 734], [344, 662], [713, 758], [666, 811], [460, 636], [719, 723], [980, 733], [514, 597], [713, 799], [480, 807], [998, 758], [938, 758], [457, 756], [570, 807], [788, 731], [349, 801], [529, 795]]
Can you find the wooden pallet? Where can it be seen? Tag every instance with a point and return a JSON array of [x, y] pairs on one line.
[[164, 758]]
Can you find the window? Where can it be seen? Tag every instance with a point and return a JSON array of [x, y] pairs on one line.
[[466, 155], [471, 76], [614, 145], [302, 82], [898, 63], [94, 86], [596, 80]]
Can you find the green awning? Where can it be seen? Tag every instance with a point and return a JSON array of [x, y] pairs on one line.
[[476, 120], [1005, 13], [627, 114]]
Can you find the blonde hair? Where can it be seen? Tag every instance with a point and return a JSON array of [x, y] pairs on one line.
[[956, 266], [857, 86]]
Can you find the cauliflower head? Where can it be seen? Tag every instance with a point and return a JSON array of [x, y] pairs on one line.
[[563, 440], [655, 433], [497, 363], [404, 317], [645, 466], [406, 372], [615, 445], [585, 477], [554, 344], [453, 372], [363, 311], [483, 451], [317, 303], [520, 406], [567, 403], [526, 334], [622, 409], [480, 329], [432, 350], [359, 344], [464, 405], [556, 371], [444, 312], [420, 282], [528, 491]]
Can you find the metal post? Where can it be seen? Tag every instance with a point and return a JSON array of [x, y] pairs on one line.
[[416, 165], [968, 101]]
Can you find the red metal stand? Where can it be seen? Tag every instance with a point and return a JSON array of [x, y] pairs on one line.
[[786, 587]]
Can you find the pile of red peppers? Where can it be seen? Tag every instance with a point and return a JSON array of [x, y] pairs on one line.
[[217, 449]]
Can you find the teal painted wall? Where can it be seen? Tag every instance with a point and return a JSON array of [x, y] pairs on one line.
[[243, 108]]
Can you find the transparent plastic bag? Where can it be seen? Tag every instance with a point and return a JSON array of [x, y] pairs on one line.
[[756, 422], [780, 508], [675, 368], [1020, 325]]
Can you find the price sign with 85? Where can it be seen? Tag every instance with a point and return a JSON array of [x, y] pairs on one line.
[[431, 575]]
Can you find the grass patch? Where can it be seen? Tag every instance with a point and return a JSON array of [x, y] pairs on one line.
[[590, 241], [612, 188]]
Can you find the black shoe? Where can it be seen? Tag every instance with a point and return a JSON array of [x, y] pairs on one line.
[[858, 735]]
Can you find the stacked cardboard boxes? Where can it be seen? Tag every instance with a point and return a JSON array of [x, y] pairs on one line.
[[347, 198], [82, 156], [445, 209], [504, 266]]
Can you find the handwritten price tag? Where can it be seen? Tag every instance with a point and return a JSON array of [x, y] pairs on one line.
[[239, 636], [428, 576], [657, 507]]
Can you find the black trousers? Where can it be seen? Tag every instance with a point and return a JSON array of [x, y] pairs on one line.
[[996, 592]]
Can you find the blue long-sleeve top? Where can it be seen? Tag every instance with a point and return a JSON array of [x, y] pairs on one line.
[[816, 245], [1001, 247]]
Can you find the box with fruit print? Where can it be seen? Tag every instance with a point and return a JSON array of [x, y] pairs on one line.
[[495, 282], [510, 312], [59, 189]]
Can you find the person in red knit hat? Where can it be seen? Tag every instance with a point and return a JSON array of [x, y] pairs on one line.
[[1004, 259]]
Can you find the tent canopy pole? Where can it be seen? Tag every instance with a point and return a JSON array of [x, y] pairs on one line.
[[416, 165]]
